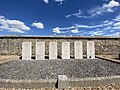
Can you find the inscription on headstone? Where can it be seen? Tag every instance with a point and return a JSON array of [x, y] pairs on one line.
[[65, 50], [52, 50], [90, 50], [78, 51], [26, 50], [40, 50]]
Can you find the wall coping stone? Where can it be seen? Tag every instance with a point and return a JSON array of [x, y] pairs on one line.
[[60, 37]]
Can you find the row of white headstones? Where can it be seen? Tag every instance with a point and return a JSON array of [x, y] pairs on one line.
[[40, 50]]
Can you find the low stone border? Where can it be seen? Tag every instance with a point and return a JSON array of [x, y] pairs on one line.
[[91, 82], [75, 82], [27, 83]]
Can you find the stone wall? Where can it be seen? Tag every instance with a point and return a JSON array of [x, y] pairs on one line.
[[12, 45]]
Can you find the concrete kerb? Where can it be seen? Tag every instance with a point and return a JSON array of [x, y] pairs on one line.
[[91, 82], [27, 83], [62, 82], [53, 83]]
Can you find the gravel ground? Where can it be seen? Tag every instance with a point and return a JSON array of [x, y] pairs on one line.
[[50, 69]]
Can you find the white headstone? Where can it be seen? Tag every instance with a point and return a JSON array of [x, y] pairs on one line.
[[65, 50], [40, 50], [90, 50], [78, 51], [52, 50], [26, 50]]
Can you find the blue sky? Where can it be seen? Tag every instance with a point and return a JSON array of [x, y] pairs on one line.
[[60, 17]]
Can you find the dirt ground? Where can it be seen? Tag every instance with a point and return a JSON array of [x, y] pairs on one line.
[[7, 58], [113, 58]]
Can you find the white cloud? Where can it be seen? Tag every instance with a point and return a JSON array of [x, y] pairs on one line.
[[96, 33], [111, 30], [87, 26], [61, 30], [15, 30], [46, 1], [12, 25], [106, 21], [104, 28], [112, 4], [17, 24], [117, 28], [75, 31], [38, 25], [107, 28], [117, 18], [113, 34], [109, 23], [79, 14], [117, 24], [67, 16], [105, 8], [56, 30], [105, 0], [67, 28], [4, 24], [59, 1], [99, 10], [75, 14], [1, 17]]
